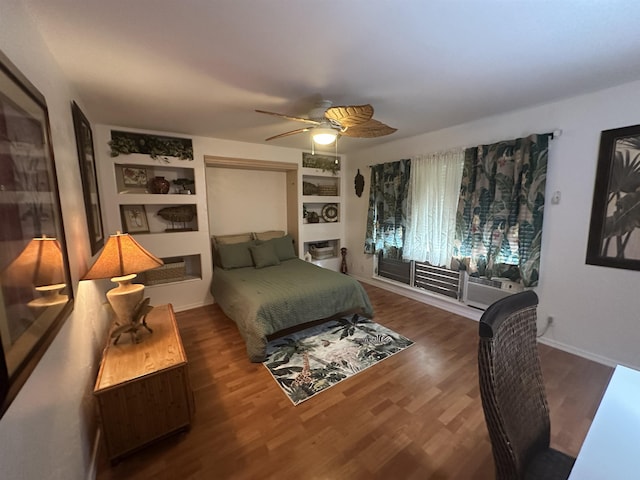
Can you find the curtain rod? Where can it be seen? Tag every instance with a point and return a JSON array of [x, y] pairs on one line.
[[557, 133]]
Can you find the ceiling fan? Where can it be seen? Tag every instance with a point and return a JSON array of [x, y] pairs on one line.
[[326, 123]]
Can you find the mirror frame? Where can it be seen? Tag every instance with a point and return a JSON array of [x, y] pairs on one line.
[[29, 208]]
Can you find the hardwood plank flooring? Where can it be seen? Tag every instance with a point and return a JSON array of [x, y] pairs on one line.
[[416, 415]]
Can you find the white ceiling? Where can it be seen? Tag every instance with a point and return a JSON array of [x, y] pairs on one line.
[[201, 67]]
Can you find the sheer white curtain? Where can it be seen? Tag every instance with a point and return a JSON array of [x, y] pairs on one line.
[[432, 206]]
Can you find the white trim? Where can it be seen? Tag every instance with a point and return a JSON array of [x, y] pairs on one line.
[[461, 309], [439, 301], [182, 308], [93, 464], [214, 161], [580, 353]]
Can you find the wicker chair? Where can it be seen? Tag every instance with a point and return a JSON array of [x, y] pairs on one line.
[[513, 395]]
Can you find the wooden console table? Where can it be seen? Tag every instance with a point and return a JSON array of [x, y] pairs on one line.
[[143, 389]]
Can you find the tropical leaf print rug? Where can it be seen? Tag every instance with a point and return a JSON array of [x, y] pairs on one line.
[[309, 361]]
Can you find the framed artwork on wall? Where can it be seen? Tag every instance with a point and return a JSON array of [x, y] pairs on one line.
[[86, 157], [134, 219], [35, 282], [614, 233], [132, 179]]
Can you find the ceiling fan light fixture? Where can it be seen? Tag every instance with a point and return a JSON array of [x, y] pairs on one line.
[[324, 136]]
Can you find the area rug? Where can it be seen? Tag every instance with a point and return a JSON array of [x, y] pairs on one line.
[[309, 361]]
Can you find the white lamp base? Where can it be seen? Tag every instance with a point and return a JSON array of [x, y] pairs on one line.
[[125, 297], [51, 297]]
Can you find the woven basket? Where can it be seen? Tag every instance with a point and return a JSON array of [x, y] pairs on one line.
[[321, 253], [169, 272], [309, 188], [328, 190]]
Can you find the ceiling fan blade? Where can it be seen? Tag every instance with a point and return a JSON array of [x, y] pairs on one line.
[[350, 115], [297, 119], [371, 129], [286, 134]]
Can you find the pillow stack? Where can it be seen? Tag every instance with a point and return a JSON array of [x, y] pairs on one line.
[[259, 250]]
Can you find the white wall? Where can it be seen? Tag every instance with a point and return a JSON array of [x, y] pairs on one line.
[[262, 209], [49, 429], [246, 200], [595, 309]]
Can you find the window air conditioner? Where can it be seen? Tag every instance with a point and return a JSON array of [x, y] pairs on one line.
[[482, 292]]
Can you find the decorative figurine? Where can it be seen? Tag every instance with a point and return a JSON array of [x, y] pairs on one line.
[[138, 321], [358, 181], [180, 214], [343, 266]]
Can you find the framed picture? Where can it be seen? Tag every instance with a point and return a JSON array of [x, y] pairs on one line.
[[329, 163], [86, 157], [614, 236], [134, 219], [35, 284], [134, 177]]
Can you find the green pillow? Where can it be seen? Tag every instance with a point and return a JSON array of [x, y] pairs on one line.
[[283, 247], [264, 255], [235, 255]]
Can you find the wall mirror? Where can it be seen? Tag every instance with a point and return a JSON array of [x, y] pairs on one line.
[[35, 293]]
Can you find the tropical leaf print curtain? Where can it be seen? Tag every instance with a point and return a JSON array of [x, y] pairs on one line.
[[500, 211], [387, 217]]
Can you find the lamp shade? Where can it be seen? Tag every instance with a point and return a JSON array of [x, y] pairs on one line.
[[39, 264], [324, 136], [121, 256]]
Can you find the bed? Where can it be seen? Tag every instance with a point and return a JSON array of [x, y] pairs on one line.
[[264, 297]]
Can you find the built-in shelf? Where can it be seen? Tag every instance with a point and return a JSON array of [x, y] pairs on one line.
[[158, 218], [322, 186], [136, 179], [326, 212], [174, 270], [125, 184], [321, 197]]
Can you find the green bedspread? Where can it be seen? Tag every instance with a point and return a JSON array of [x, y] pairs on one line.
[[267, 300]]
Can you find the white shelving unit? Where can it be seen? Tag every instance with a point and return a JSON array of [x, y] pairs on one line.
[[321, 193], [183, 246]]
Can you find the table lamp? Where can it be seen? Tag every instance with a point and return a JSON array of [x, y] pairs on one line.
[[121, 259], [39, 265]]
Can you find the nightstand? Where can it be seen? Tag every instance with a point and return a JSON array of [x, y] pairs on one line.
[[143, 389]]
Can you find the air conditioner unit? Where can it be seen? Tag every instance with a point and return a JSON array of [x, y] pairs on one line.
[[482, 292]]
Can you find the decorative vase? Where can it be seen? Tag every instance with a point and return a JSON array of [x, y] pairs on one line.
[[159, 185]]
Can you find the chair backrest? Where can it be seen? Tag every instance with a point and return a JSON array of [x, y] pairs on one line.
[[511, 385]]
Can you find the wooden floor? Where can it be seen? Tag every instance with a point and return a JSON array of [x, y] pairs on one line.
[[416, 415]]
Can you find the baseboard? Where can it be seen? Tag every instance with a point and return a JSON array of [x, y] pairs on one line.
[[93, 464], [450, 305], [456, 307], [182, 308], [581, 353]]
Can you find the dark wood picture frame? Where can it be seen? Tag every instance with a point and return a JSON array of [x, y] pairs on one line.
[[134, 219], [35, 281], [614, 238], [87, 159]]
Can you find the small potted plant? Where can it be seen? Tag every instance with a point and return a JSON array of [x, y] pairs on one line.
[[185, 184]]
